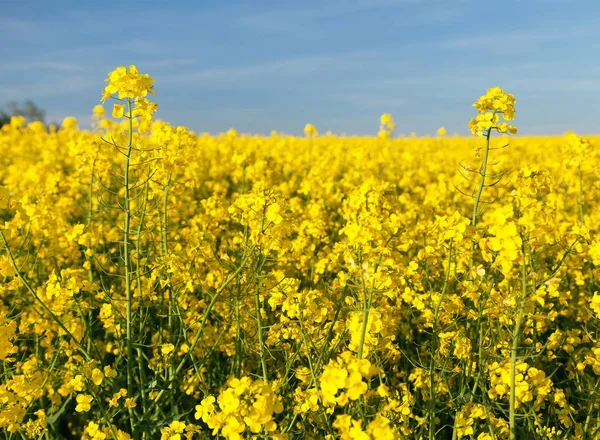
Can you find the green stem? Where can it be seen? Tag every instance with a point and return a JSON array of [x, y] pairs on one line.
[[436, 312], [127, 262], [365, 311], [105, 415], [140, 292], [580, 199], [589, 411], [200, 330], [238, 332], [165, 243], [367, 301], [39, 300], [313, 372], [261, 344], [171, 306], [515, 346], [476, 213], [90, 216]]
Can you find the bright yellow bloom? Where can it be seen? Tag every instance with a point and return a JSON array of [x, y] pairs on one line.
[[128, 83], [97, 376], [118, 111], [310, 130], [495, 105], [83, 402], [98, 111], [130, 403], [167, 349]]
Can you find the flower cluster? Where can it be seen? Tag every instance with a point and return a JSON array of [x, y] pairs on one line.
[[345, 378], [128, 83], [132, 87], [531, 384], [494, 108], [310, 130], [244, 404], [380, 428], [386, 126]]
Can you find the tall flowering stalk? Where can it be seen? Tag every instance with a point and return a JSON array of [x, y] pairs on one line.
[[578, 152], [386, 126], [495, 108], [131, 88]]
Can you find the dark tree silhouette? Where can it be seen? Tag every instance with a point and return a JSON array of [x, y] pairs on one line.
[[28, 110]]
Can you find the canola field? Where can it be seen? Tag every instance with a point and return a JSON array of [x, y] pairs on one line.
[[160, 284]]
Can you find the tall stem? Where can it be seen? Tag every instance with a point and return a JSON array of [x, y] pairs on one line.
[[367, 300], [165, 244], [138, 253], [257, 272], [434, 332], [261, 344], [482, 171], [90, 216], [580, 199], [515, 345], [127, 262], [476, 214], [171, 306]]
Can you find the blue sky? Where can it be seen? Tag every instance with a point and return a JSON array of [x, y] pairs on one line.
[[262, 65]]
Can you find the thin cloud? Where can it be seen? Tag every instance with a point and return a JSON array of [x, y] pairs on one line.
[[161, 64], [327, 10], [298, 66], [550, 33], [375, 101], [56, 66], [18, 29], [301, 21], [48, 88]]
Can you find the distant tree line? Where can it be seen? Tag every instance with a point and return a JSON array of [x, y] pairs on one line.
[[28, 110]]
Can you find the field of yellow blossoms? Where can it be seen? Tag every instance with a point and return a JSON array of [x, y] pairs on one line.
[[160, 284]]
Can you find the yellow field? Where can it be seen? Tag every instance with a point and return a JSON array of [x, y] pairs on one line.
[[163, 284]]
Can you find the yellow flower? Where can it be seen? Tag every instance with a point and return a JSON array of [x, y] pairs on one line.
[[128, 83], [70, 123], [130, 403], [97, 376], [167, 349], [493, 106], [109, 372], [7, 334], [118, 111], [310, 130], [98, 111], [385, 119], [83, 402], [383, 134]]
